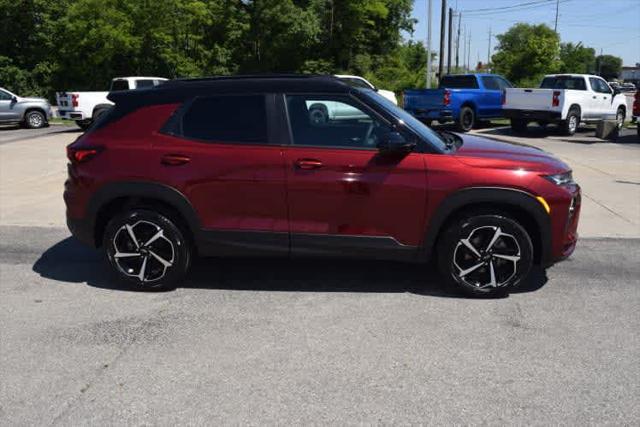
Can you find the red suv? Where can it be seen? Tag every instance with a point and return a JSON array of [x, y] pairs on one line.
[[307, 165]]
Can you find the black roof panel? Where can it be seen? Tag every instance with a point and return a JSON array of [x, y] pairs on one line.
[[181, 89]]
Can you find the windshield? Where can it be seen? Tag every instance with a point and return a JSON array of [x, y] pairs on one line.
[[411, 122]]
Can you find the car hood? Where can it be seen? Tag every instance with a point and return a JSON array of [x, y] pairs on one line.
[[483, 152]]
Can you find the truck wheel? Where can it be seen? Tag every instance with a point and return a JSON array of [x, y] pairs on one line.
[[467, 119], [620, 117], [35, 119], [83, 124], [570, 125], [519, 125]]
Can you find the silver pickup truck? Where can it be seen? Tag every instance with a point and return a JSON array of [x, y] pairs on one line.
[[30, 112]]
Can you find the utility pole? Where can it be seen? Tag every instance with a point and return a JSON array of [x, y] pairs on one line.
[[555, 27], [469, 55], [458, 42], [449, 41], [429, 44], [443, 17], [489, 52]]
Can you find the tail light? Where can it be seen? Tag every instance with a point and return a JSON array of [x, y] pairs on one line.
[[556, 98], [74, 99], [447, 97], [503, 98], [82, 154]]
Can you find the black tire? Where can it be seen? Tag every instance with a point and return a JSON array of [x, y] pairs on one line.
[[519, 125], [455, 257], [35, 119], [568, 127], [84, 124], [167, 257], [466, 120], [620, 117]]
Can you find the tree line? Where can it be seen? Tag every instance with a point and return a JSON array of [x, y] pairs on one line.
[[50, 45]]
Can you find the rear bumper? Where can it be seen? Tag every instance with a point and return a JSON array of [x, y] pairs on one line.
[[72, 115], [549, 116], [440, 115]]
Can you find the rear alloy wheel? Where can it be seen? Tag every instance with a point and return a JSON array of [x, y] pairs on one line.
[[570, 125], [486, 255], [35, 120], [620, 118], [147, 250], [467, 119]]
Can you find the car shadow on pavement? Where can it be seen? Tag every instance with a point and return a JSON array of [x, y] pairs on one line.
[[71, 262]]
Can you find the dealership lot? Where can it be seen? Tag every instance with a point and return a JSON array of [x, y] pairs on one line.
[[316, 341]]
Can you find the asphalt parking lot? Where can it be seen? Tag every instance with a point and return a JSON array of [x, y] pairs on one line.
[[316, 341]]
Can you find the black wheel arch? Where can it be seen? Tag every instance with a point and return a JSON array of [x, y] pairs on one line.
[[520, 205], [114, 197]]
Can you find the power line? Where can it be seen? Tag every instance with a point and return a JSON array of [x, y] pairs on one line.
[[529, 7], [506, 7]]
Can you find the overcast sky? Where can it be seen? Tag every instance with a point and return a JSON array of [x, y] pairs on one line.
[[610, 25]]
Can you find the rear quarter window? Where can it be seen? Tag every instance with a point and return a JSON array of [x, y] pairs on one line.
[[228, 118]]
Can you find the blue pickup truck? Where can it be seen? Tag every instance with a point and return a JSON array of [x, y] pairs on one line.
[[463, 99]]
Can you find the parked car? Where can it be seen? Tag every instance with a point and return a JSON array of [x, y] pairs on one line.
[[566, 100], [29, 112], [636, 110], [85, 107], [361, 82], [463, 99], [628, 87], [192, 176]]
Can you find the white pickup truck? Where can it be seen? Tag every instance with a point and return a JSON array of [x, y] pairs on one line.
[[85, 107], [564, 99]]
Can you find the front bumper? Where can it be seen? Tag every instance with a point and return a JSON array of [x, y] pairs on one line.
[[543, 115], [565, 216]]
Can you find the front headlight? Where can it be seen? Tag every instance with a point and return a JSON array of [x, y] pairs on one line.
[[560, 179]]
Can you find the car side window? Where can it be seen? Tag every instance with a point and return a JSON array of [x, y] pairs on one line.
[[504, 84], [491, 83], [4, 96], [598, 85], [227, 118], [144, 83], [333, 121], [119, 85]]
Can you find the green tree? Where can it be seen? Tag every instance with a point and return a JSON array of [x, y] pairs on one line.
[[608, 66], [576, 58], [526, 52]]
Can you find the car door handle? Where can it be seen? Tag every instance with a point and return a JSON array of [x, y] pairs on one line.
[[175, 159], [594, 97], [308, 164]]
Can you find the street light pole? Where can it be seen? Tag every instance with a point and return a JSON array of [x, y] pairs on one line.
[[443, 16], [429, 44], [449, 41]]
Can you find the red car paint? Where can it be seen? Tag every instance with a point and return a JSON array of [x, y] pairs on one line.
[[279, 188]]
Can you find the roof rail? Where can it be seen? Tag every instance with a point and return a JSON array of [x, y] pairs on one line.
[[241, 77]]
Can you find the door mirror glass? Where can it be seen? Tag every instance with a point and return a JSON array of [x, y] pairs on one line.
[[394, 142], [14, 99]]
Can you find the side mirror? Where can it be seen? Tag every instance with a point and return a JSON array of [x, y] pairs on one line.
[[14, 99], [394, 142], [616, 91]]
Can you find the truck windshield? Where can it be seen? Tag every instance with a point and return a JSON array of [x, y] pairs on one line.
[[428, 135], [563, 82], [459, 82]]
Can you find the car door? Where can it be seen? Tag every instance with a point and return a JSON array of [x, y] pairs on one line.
[[344, 195], [492, 97], [601, 98], [221, 153], [7, 107]]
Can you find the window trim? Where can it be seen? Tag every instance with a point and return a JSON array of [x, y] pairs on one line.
[[358, 102], [173, 126]]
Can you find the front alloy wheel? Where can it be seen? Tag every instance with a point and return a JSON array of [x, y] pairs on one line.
[[147, 249], [485, 254]]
